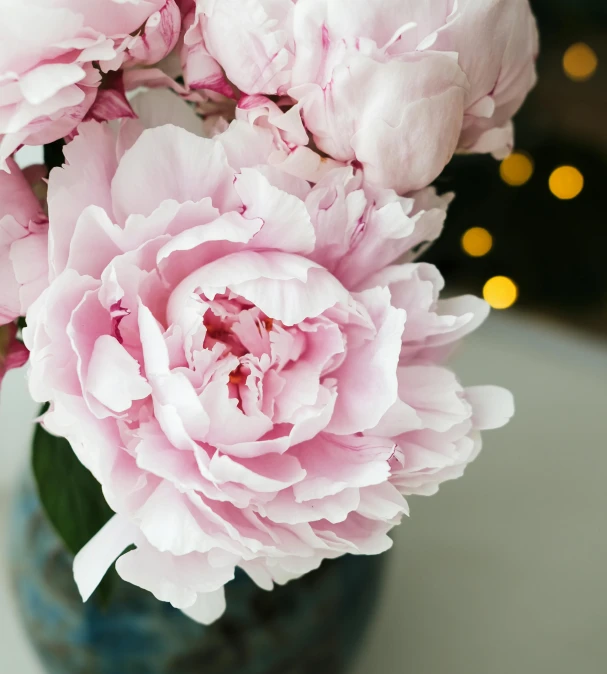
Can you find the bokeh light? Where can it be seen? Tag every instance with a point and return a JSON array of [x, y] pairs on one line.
[[516, 169], [566, 182], [500, 292], [477, 242], [580, 62]]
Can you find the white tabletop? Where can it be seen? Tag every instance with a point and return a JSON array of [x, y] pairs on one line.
[[502, 572]]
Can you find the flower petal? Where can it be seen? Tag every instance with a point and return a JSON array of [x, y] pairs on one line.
[[96, 557]]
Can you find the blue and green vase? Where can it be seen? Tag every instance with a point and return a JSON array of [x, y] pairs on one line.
[[313, 625]]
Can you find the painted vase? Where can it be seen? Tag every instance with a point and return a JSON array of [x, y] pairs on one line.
[[313, 625]]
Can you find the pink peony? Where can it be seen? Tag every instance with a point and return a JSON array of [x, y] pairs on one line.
[[51, 54], [395, 86], [23, 245], [227, 352]]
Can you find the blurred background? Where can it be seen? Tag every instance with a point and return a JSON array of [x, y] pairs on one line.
[[503, 572], [531, 231]]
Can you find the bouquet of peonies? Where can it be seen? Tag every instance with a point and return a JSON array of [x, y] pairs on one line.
[[222, 305]]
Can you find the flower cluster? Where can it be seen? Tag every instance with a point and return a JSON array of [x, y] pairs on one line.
[[223, 301]]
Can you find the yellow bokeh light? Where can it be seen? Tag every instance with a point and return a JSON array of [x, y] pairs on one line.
[[566, 182], [580, 62], [516, 169], [477, 242], [500, 292]]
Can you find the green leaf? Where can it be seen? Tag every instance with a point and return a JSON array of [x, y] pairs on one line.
[[70, 495]]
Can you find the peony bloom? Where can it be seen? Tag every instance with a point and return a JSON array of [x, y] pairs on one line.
[[226, 350], [394, 86], [23, 244], [51, 55]]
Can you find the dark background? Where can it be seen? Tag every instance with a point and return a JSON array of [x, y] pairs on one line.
[[554, 250]]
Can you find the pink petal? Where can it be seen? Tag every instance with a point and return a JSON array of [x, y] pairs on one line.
[[78, 184], [114, 376], [334, 463], [158, 37], [16, 196], [369, 371], [208, 607], [186, 581], [286, 287], [435, 394], [286, 222], [270, 473], [493, 406], [93, 561], [191, 169]]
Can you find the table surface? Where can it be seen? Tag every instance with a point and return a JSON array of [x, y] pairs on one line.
[[502, 572]]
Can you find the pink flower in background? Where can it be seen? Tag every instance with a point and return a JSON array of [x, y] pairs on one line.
[[13, 353], [497, 45], [53, 54], [23, 244], [393, 86], [226, 350]]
